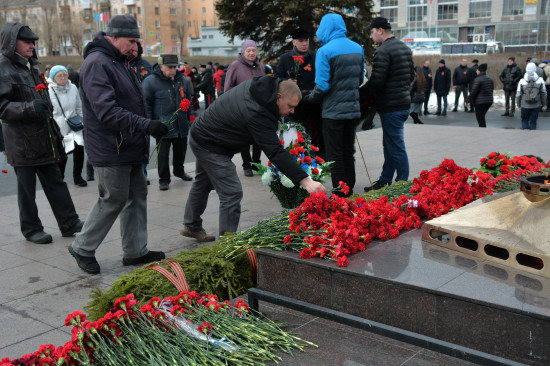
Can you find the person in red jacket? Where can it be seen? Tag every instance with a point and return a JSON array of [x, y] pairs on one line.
[[217, 79]]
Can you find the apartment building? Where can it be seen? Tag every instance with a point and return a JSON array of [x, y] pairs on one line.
[[518, 24]]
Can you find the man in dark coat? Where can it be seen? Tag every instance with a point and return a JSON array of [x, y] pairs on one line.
[[339, 66], [509, 77], [390, 81], [473, 75], [442, 84], [308, 114], [164, 90], [461, 79], [206, 85], [482, 94], [246, 113], [34, 144], [429, 82], [117, 141]]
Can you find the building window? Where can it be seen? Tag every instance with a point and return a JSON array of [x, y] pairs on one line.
[[157, 11], [524, 33], [122, 11], [480, 9], [418, 10], [388, 10], [204, 23], [131, 11], [447, 10], [188, 24], [203, 10], [188, 11], [210, 52], [173, 11], [204, 37], [157, 23], [158, 36], [512, 7], [173, 25], [139, 23], [174, 37], [211, 36], [175, 50], [139, 9], [116, 11]]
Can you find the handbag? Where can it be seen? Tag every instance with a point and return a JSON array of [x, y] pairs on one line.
[[76, 123]]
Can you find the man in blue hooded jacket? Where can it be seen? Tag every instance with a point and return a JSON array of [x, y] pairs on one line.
[[339, 67]]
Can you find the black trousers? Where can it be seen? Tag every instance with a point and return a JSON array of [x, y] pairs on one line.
[[56, 192], [510, 98], [209, 99], [339, 138], [179, 149], [78, 162], [427, 93], [247, 159], [481, 111]]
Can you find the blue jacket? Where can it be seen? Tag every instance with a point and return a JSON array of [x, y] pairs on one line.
[[163, 97], [339, 67], [113, 105]]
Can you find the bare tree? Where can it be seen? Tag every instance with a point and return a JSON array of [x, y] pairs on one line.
[[23, 14], [4, 13], [77, 34], [48, 32], [181, 26]]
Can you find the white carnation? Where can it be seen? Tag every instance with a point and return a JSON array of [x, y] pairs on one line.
[[285, 181], [267, 177]]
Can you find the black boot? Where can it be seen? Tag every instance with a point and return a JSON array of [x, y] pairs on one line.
[[415, 118]]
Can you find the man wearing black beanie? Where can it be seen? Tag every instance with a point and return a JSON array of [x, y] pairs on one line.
[[510, 77]]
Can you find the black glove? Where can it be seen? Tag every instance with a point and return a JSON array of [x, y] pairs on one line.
[[157, 129], [40, 106]]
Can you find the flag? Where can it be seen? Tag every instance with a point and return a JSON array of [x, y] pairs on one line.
[[104, 17], [96, 17]]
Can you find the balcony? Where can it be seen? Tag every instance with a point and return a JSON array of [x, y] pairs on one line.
[[129, 2]]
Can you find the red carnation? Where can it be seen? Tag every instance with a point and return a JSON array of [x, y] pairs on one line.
[[342, 261], [300, 59], [40, 87], [344, 187], [307, 160], [492, 155], [314, 148], [491, 163], [482, 161], [505, 169], [315, 171], [293, 152], [185, 104], [205, 328], [319, 160], [192, 119], [5, 171]]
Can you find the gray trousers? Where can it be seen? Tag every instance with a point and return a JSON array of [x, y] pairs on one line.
[[213, 171], [122, 192]]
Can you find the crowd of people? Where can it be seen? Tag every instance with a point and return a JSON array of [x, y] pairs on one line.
[[117, 99]]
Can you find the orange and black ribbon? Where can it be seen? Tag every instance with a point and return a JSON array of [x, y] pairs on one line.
[[178, 280], [253, 262]]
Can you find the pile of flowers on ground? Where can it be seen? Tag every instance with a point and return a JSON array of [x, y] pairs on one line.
[[496, 163], [297, 142], [187, 329], [335, 227]]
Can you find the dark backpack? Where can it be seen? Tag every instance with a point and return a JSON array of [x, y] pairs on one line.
[[531, 92]]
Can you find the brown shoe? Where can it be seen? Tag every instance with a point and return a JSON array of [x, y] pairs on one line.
[[201, 235]]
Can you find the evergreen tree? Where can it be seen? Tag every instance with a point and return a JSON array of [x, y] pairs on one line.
[[270, 22]]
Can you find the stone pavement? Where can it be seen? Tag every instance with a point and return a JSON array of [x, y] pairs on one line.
[[41, 284]]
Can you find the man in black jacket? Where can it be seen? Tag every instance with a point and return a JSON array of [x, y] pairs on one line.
[[461, 79], [206, 85], [246, 113], [429, 82], [473, 75], [510, 76], [34, 144], [392, 74]]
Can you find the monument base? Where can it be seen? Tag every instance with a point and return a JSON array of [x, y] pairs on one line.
[[423, 288]]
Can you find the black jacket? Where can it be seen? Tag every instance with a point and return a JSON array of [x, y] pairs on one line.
[[392, 74], [461, 75], [306, 71], [247, 113], [163, 96], [2, 146], [442, 80], [510, 77], [31, 138], [113, 104], [473, 76], [206, 85], [429, 77], [482, 90]]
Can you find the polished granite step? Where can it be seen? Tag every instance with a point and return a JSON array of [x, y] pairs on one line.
[[427, 289]]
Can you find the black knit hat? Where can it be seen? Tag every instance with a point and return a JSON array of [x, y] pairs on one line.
[[26, 34], [379, 22], [482, 68], [475, 61], [300, 33], [442, 61], [512, 58], [123, 26]]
